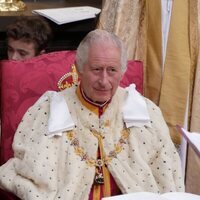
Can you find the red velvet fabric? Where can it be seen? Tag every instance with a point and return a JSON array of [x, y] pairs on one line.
[[23, 82], [133, 74]]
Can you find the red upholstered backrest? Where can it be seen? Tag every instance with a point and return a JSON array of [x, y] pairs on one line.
[[133, 74], [23, 82]]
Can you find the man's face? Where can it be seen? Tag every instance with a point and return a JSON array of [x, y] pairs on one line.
[[20, 50], [102, 73]]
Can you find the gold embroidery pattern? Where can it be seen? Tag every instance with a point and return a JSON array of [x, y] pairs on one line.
[[65, 81], [97, 162]]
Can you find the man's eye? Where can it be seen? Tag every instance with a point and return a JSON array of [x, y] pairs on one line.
[[111, 70], [23, 54], [96, 69]]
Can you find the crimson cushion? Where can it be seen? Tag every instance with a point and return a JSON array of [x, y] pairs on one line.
[[23, 82]]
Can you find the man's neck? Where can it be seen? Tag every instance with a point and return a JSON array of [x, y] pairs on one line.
[[95, 103]]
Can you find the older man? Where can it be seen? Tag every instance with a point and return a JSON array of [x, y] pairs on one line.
[[95, 139]]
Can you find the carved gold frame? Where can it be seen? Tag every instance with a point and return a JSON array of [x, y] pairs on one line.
[[12, 5]]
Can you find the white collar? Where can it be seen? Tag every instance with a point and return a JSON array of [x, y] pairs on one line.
[[135, 112], [60, 119]]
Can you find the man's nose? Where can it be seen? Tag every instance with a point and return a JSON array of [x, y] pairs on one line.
[[104, 77], [15, 56]]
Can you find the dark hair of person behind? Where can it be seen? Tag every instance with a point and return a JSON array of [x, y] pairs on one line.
[[31, 29]]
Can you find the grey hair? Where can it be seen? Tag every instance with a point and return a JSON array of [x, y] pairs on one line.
[[99, 36]]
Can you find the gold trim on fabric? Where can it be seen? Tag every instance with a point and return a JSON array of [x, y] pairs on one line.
[[96, 192]]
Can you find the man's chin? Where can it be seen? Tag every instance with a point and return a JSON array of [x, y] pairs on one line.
[[101, 100], [102, 97]]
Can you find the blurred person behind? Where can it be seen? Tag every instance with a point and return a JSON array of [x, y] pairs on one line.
[[27, 37]]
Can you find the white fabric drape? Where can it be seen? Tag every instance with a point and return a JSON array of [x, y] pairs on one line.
[[166, 16]]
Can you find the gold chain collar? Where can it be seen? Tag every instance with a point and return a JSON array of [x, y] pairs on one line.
[[107, 158]]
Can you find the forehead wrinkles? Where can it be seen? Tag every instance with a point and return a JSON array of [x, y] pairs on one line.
[[105, 53], [102, 61]]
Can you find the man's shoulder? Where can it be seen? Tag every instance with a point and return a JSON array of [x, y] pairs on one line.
[[150, 103], [50, 95], [121, 91], [153, 108], [70, 90]]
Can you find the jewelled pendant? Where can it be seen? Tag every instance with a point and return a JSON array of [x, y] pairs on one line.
[[99, 180]]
